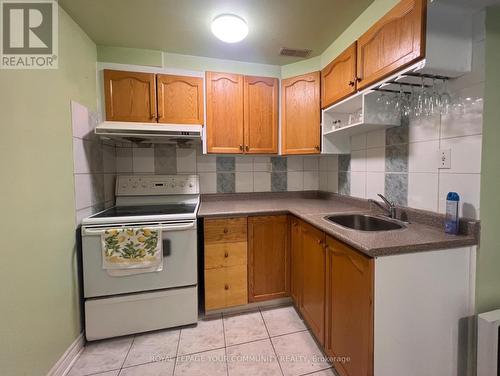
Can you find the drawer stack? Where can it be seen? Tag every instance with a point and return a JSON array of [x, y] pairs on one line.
[[225, 263]]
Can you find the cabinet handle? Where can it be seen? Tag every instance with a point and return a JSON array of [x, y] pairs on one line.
[[317, 147], [247, 148], [320, 241], [226, 287], [358, 79], [226, 254], [351, 83], [226, 230], [241, 147]]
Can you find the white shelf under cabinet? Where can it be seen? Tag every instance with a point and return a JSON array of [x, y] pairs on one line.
[[337, 140]]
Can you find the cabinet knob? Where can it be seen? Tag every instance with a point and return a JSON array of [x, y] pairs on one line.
[[226, 230], [241, 147], [226, 287], [247, 148], [317, 147], [358, 79], [226, 254], [351, 83], [320, 241]]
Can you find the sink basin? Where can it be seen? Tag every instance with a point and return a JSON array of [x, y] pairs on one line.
[[364, 222]]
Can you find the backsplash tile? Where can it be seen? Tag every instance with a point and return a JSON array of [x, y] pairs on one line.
[[396, 188], [344, 162], [278, 181], [278, 164], [165, 159], [226, 182], [344, 183], [94, 165], [398, 135], [225, 164], [396, 158]]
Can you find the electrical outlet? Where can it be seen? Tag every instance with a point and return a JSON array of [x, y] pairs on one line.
[[445, 158]]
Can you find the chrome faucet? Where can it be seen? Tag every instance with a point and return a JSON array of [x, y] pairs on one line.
[[389, 207]]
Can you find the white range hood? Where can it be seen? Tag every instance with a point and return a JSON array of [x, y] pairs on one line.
[[149, 132]]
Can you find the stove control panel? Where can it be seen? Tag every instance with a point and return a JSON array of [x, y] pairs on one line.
[[150, 185]]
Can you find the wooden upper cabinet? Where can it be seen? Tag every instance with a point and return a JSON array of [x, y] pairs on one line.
[[312, 301], [300, 114], [395, 41], [180, 99], [338, 79], [268, 258], [224, 112], [130, 96], [349, 309], [261, 115]]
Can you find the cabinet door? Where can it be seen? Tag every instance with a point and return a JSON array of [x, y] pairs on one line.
[[180, 99], [312, 302], [224, 112], [130, 96], [295, 261], [349, 312], [268, 258], [338, 79], [300, 114], [395, 41], [261, 115]]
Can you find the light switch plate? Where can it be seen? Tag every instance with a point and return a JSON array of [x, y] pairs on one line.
[[445, 158]]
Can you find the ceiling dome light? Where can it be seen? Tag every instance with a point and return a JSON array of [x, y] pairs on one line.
[[229, 28]]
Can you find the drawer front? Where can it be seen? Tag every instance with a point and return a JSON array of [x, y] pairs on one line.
[[218, 255], [237, 292], [226, 287], [226, 230]]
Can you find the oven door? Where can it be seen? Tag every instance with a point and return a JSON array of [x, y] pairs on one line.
[[179, 262]]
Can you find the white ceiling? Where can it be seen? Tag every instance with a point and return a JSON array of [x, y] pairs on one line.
[[183, 26]]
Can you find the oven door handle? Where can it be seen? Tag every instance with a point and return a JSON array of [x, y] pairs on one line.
[[178, 227]]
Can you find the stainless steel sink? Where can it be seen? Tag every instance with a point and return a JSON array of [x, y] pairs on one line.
[[365, 222]]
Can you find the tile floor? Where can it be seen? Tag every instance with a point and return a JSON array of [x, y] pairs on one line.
[[269, 341]]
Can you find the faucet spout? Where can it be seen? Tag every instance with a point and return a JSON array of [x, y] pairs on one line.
[[389, 207]]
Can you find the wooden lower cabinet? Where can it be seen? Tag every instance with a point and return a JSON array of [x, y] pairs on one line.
[[349, 309], [295, 261], [268, 258], [312, 300], [225, 257]]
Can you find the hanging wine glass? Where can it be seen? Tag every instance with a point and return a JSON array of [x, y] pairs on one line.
[[445, 99]]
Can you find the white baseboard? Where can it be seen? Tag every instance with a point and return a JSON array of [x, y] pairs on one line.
[[63, 365]]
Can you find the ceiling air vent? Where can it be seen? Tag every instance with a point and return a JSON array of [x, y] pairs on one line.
[[294, 52]]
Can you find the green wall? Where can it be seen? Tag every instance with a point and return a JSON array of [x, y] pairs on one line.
[[39, 294], [488, 260], [133, 56]]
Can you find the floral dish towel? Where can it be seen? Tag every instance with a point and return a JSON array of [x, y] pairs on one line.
[[132, 248]]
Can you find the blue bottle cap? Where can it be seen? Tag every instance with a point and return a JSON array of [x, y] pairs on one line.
[[453, 196]]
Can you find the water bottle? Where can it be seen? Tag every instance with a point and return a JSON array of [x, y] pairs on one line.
[[451, 218]]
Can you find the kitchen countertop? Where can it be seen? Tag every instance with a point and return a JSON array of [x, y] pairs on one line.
[[424, 231]]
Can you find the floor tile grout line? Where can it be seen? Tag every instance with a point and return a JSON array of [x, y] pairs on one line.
[[272, 344], [128, 352], [176, 352], [225, 344], [318, 371]]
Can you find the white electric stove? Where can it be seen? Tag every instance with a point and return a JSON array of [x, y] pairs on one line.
[[116, 306]]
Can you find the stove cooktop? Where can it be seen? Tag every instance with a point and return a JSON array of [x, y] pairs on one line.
[[146, 210]]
